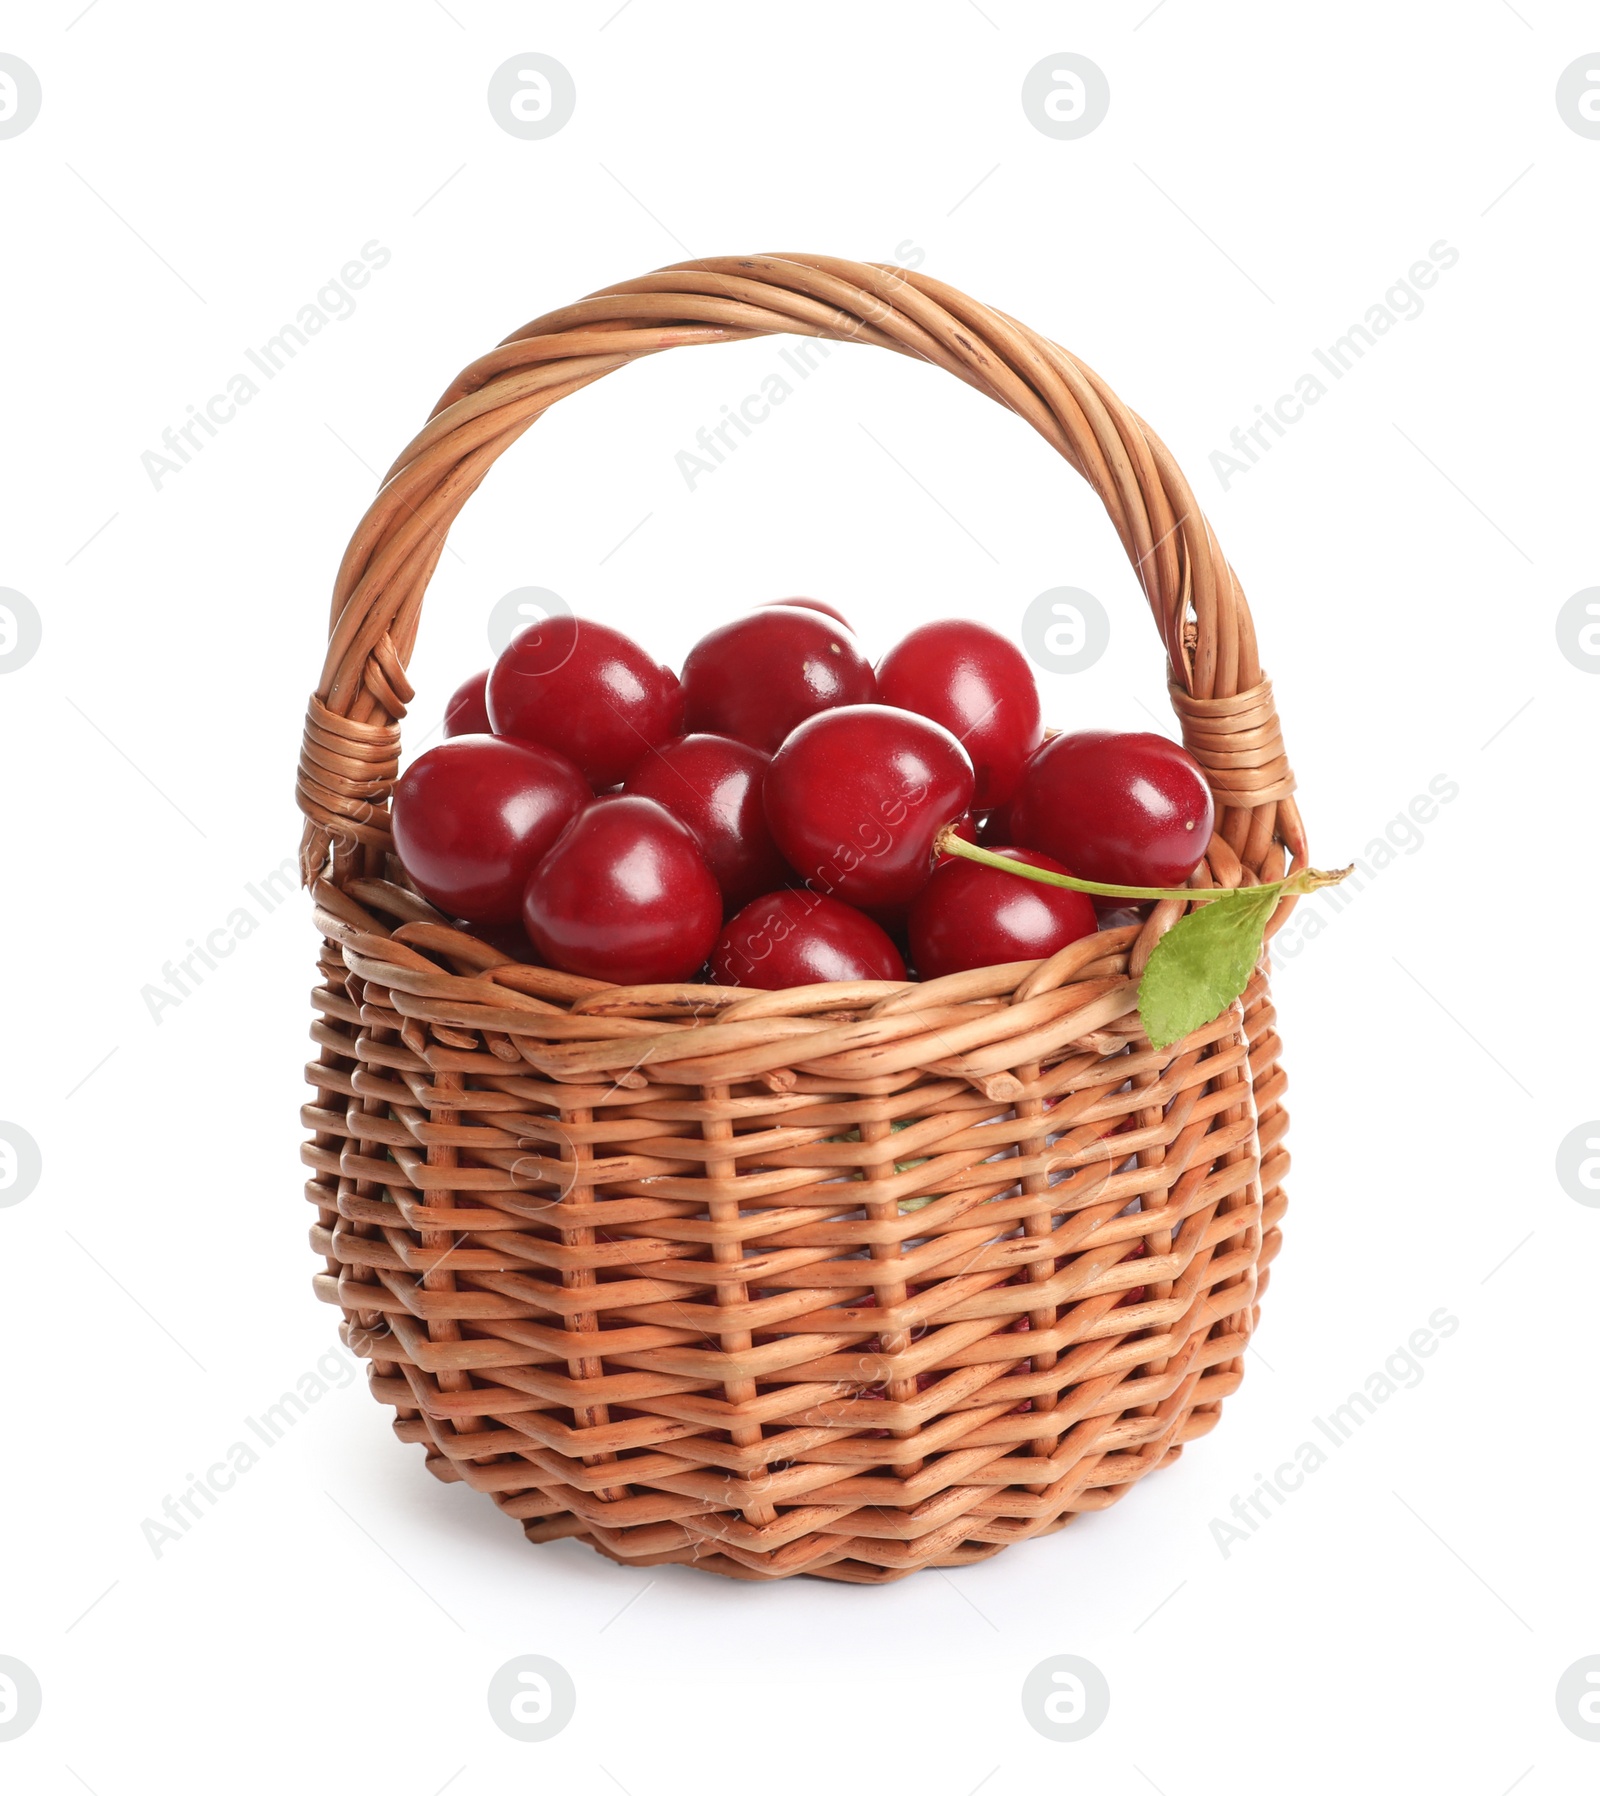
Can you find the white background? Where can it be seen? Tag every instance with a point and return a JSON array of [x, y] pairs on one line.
[[1265, 174]]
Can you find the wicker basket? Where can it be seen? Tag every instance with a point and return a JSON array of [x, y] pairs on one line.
[[849, 1279]]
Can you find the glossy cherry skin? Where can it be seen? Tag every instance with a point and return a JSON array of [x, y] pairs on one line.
[[856, 797], [1128, 810], [624, 895], [758, 677], [467, 714], [980, 687], [896, 918], [801, 938], [810, 605], [471, 817], [713, 784], [969, 915], [585, 690]]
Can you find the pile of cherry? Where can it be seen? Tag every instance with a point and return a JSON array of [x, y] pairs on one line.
[[777, 816]]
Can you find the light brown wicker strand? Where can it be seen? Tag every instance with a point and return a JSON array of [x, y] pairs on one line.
[[717, 1128], [530, 1189], [442, 1241]]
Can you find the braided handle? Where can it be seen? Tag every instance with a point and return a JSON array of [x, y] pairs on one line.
[[1224, 705]]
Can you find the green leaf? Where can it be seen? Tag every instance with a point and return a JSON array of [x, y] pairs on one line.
[[1202, 964]]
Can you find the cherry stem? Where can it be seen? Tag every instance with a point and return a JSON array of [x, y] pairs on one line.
[[1294, 885]]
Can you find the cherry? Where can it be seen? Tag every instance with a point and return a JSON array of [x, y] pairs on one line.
[[758, 677], [896, 918], [585, 690], [1127, 810], [625, 895], [856, 796], [713, 784], [969, 915], [810, 605], [801, 938], [467, 714], [471, 816], [980, 687]]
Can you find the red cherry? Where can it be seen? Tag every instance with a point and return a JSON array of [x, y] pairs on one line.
[[969, 915], [856, 796], [758, 677], [980, 687], [471, 817], [585, 690], [801, 938], [713, 784], [1128, 810], [467, 714], [624, 895], [810, 605]]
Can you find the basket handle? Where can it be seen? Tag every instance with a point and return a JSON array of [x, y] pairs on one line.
[[351, 751]]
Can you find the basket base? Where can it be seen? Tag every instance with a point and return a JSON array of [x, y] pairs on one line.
[[839, 1559], [846, 1569]]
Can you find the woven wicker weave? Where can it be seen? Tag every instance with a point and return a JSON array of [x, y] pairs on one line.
[[845, 1280]]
